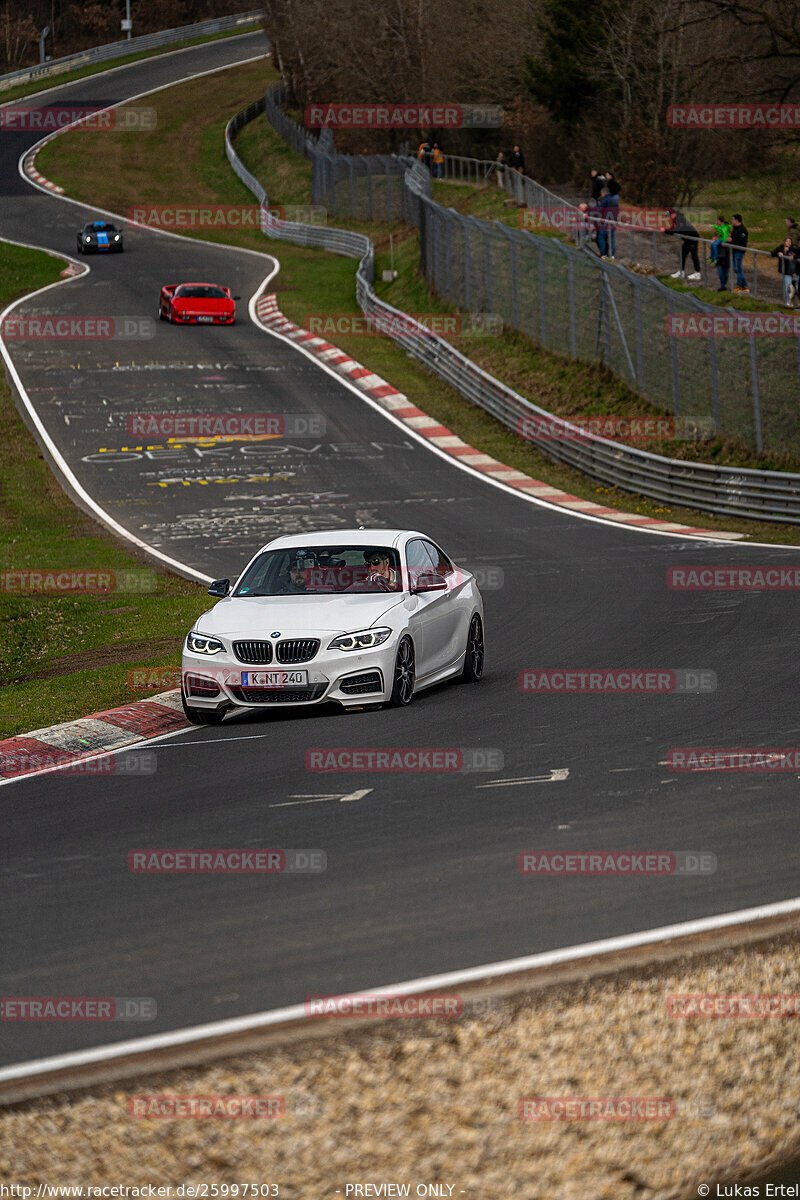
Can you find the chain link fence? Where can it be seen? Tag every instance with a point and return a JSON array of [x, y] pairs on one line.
[[692, 359], [637, 236], [541, 288]]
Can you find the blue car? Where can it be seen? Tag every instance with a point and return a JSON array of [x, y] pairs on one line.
[[100, 236]]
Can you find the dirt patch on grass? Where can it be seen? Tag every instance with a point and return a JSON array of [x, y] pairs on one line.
[[102, 656]]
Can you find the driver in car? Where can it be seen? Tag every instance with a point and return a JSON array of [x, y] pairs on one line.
[[293, 581], [379, 568]]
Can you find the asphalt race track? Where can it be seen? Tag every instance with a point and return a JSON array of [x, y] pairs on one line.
[[421, 869]]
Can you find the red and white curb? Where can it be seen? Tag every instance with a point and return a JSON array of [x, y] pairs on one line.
[[64, 746], [400, 407], [29, 167]]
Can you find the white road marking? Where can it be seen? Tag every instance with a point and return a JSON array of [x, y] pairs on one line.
[[307, 798], [359, 795], [556, 775], [190, 1035]]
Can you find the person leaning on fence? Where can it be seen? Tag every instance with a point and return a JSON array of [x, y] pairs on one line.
[[688, 234], [516, 160], [793, 232], [597, 223], [585, 230], [499, 166], [424, 154], [437, 158], [723, 265], [598, 183], [738, 239], [787, 256]]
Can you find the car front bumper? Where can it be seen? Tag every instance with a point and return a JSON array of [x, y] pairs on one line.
[[203, 318], [348, 678]]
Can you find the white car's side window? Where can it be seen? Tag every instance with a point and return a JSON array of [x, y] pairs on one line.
[[418, 559], [441, 563]]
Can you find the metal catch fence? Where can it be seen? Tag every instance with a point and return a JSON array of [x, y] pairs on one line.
[[580, 306]]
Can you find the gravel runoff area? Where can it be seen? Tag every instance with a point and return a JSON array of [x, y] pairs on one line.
[[417, 1103]]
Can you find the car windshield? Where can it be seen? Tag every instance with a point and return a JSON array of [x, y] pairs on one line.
[[322, 571], [100, 227], [200, 292]]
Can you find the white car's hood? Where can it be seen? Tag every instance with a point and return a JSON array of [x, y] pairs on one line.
[[286, 615]]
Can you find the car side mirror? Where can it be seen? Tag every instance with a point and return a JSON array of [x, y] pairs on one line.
[[429, 581], [220, 587]]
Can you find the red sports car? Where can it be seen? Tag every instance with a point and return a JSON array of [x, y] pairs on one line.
[[197, 304]]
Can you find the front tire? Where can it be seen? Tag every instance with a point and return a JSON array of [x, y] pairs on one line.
[[474, 657], [202, 716], [404, 676]]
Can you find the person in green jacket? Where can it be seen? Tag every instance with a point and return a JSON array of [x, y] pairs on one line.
[[721, 234]]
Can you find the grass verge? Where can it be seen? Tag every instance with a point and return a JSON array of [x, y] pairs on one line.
[[183, 161], [69, 654]]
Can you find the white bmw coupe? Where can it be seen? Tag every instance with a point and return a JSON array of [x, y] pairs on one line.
[[355, 616]]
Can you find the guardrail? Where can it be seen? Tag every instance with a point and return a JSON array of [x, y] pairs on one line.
[[148, 41], [741, 492]]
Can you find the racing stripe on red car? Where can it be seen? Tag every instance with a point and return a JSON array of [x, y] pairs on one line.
[[439, 435]]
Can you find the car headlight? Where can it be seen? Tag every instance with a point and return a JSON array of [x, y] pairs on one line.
[[88, 239], [365, 639], [116, 237], [198, 643]]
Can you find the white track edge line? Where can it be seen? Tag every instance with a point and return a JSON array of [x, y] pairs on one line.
[[486, 477], [709, 539], [126, 748], [495, 970], [472, 974], [104, 517]]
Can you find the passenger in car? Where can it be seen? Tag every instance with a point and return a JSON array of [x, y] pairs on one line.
[[378, 563]]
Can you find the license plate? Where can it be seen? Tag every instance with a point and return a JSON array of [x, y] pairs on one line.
[[205, 318], [276, 679]]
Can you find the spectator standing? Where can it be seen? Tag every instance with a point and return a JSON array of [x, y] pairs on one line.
[[437, 158], [424, 153], [787, 256], [598, 218], [516, 160], [689, 236], [500, 163], [598, 183], [738, 238], [793, 232], [609, 207], [723, 265], [721, 232], [584, 231], [612, 184]]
